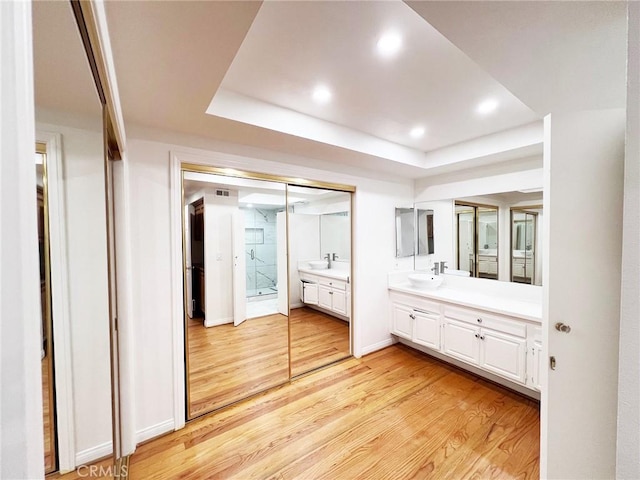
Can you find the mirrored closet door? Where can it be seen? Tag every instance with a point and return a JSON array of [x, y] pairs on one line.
[[320, 277], [235, 264], [78, 399], [266, 282]]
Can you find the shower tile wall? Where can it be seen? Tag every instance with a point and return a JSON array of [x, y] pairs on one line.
[[260, 225]]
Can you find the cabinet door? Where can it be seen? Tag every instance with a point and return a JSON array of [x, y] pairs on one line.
[[324, 297], [310, 293], [536, 364], [402, 322], [503, 354], [461, 340], [339, 299], [427, 329]]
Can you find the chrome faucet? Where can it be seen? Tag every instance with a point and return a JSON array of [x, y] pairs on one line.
[[436, 268], [327, 257], [334, 256], [443, 265]]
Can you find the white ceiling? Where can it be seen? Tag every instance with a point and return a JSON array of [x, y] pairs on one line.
[[62, 77], [172, 57], [292, 46]]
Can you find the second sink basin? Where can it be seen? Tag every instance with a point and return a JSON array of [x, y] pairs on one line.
[[425, 280]]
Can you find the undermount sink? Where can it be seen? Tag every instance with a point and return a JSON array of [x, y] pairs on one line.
[[318, 264], [425, 280]]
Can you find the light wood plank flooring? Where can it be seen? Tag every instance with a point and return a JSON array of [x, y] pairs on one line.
[[49, 427], [394, 414], [317, 339], [228, 363]]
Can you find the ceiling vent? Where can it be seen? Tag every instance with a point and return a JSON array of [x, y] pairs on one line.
[[222, 193]]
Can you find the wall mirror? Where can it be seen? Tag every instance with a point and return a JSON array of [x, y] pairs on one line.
[[319, 276], [474, 236], [236, 295], [76, 349], [405, 232]]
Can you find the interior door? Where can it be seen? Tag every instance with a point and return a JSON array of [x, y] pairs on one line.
[[239, 268], [580, 385], [190, 216]]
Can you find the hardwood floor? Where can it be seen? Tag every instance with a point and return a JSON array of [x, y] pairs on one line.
[[317, 339], [228, 363], [394, 414], [49, 427]]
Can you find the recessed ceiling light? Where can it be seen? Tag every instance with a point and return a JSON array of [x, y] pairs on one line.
[[417, 132], [389, 44], [487, 106], [321, 94]]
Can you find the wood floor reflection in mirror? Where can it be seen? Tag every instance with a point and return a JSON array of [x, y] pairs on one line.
[[317, 339], [229, 363]]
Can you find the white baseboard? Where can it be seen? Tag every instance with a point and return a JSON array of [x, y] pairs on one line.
[[217, 321], [377, 346], [155, 431], [94, 453]]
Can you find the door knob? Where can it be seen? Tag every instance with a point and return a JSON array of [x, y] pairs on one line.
[[561, 327]]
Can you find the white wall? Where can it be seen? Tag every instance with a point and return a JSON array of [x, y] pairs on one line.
[[304, 244], [375, 202], [84, 221], [628, 435], [21, 447]]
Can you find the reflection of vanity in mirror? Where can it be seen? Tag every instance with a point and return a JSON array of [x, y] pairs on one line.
[[320, 276], [494, 236]]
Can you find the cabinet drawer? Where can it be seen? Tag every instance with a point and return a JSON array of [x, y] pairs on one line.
[[419, 304], [307, 277], [333, 283], [487, 320]]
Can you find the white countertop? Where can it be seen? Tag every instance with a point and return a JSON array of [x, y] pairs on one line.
[[328, 273], [493, 302]]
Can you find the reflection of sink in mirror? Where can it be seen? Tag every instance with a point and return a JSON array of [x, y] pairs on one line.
[[318, 264], [425, 280]]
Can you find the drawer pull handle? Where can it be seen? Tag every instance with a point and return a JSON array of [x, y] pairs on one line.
[[479, 320], [412, 316], [482, 337], [477, 336]]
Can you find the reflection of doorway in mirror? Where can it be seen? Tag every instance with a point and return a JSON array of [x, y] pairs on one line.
[[46, 324], [236, 337], [477, 240], [465, 221], [524, 227]]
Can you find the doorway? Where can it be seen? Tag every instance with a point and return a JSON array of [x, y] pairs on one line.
[[46, 323]]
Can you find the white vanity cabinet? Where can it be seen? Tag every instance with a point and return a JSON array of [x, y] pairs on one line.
[[326, 292], [416, 320], [503, 345], [332, 295], [495, 343]]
